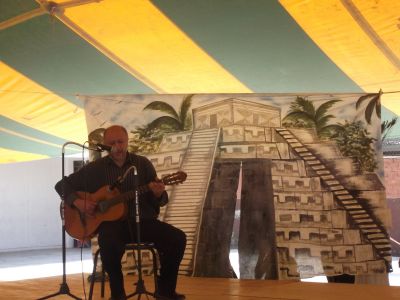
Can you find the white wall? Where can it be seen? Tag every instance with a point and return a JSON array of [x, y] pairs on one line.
[[29, 205]]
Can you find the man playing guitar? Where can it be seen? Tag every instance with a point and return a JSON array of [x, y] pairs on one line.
[[169, 241]]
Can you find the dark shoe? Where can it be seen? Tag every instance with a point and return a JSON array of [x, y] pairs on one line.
[[178, 296]]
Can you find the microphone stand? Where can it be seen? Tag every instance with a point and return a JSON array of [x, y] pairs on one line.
[[135, 211], [64, 289]]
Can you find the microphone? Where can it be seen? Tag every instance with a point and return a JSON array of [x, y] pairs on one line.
[[115, 184], [121, 179], [102, 147]]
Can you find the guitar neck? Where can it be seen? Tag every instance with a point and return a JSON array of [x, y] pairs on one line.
[[171, 179]]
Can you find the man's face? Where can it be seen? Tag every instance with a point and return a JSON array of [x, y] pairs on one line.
[[118, 140]]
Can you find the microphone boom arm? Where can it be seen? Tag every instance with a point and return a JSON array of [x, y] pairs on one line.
[[122, 178], [77, 144]]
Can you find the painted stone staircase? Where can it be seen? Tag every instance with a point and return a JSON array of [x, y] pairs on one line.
[[184, 211], [364, 220]]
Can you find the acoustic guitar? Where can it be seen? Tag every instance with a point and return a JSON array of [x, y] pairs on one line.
[[110, 207]]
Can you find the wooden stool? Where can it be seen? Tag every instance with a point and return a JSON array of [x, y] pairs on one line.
[[133, 247]]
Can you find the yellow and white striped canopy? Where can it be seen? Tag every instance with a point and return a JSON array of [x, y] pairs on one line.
[[52, 51]]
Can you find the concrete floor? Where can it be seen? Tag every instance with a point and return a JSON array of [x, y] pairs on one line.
[[30, 264]]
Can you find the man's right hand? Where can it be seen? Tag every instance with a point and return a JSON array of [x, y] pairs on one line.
[[86, 206]]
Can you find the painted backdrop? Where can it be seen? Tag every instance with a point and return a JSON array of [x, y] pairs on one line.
[[292, 182]]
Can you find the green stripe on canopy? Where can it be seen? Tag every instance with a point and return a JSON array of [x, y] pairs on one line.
[[46, 51], [19, 128], [13, 8], [259, 43]]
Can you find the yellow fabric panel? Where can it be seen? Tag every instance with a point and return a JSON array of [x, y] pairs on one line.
[[10, 156], [351, 44], [384, 18], [28, 103], [391, 102], [148, 45]]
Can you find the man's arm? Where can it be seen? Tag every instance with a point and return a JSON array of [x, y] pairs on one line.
[[160, 196], [67, 189], [158, 189]]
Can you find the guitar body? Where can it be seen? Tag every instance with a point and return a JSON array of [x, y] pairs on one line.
[[82, 226], [110, 207]]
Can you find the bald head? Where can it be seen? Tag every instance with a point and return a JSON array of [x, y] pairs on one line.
[[116, 136], [114, 128]]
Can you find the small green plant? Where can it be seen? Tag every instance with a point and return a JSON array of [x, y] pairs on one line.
[[355, 141], [387, 126]]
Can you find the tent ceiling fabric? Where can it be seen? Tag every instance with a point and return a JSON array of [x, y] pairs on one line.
[[150, 47], [369, 52], [42, 109], [53, 51]]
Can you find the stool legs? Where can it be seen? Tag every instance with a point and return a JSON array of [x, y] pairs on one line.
[[93, 277], [140, 289], [96, 257], [155, 269]]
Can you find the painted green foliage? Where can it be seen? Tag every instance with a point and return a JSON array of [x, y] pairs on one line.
[[304, 114], [148, 137], [355, 141], [173, 120], [352, 138], [373, 104], [387, 126]]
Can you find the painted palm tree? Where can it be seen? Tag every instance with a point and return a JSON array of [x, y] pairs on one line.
[[173, 120], [150, 135], [373, 104], [387, 126], [304, 113]]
